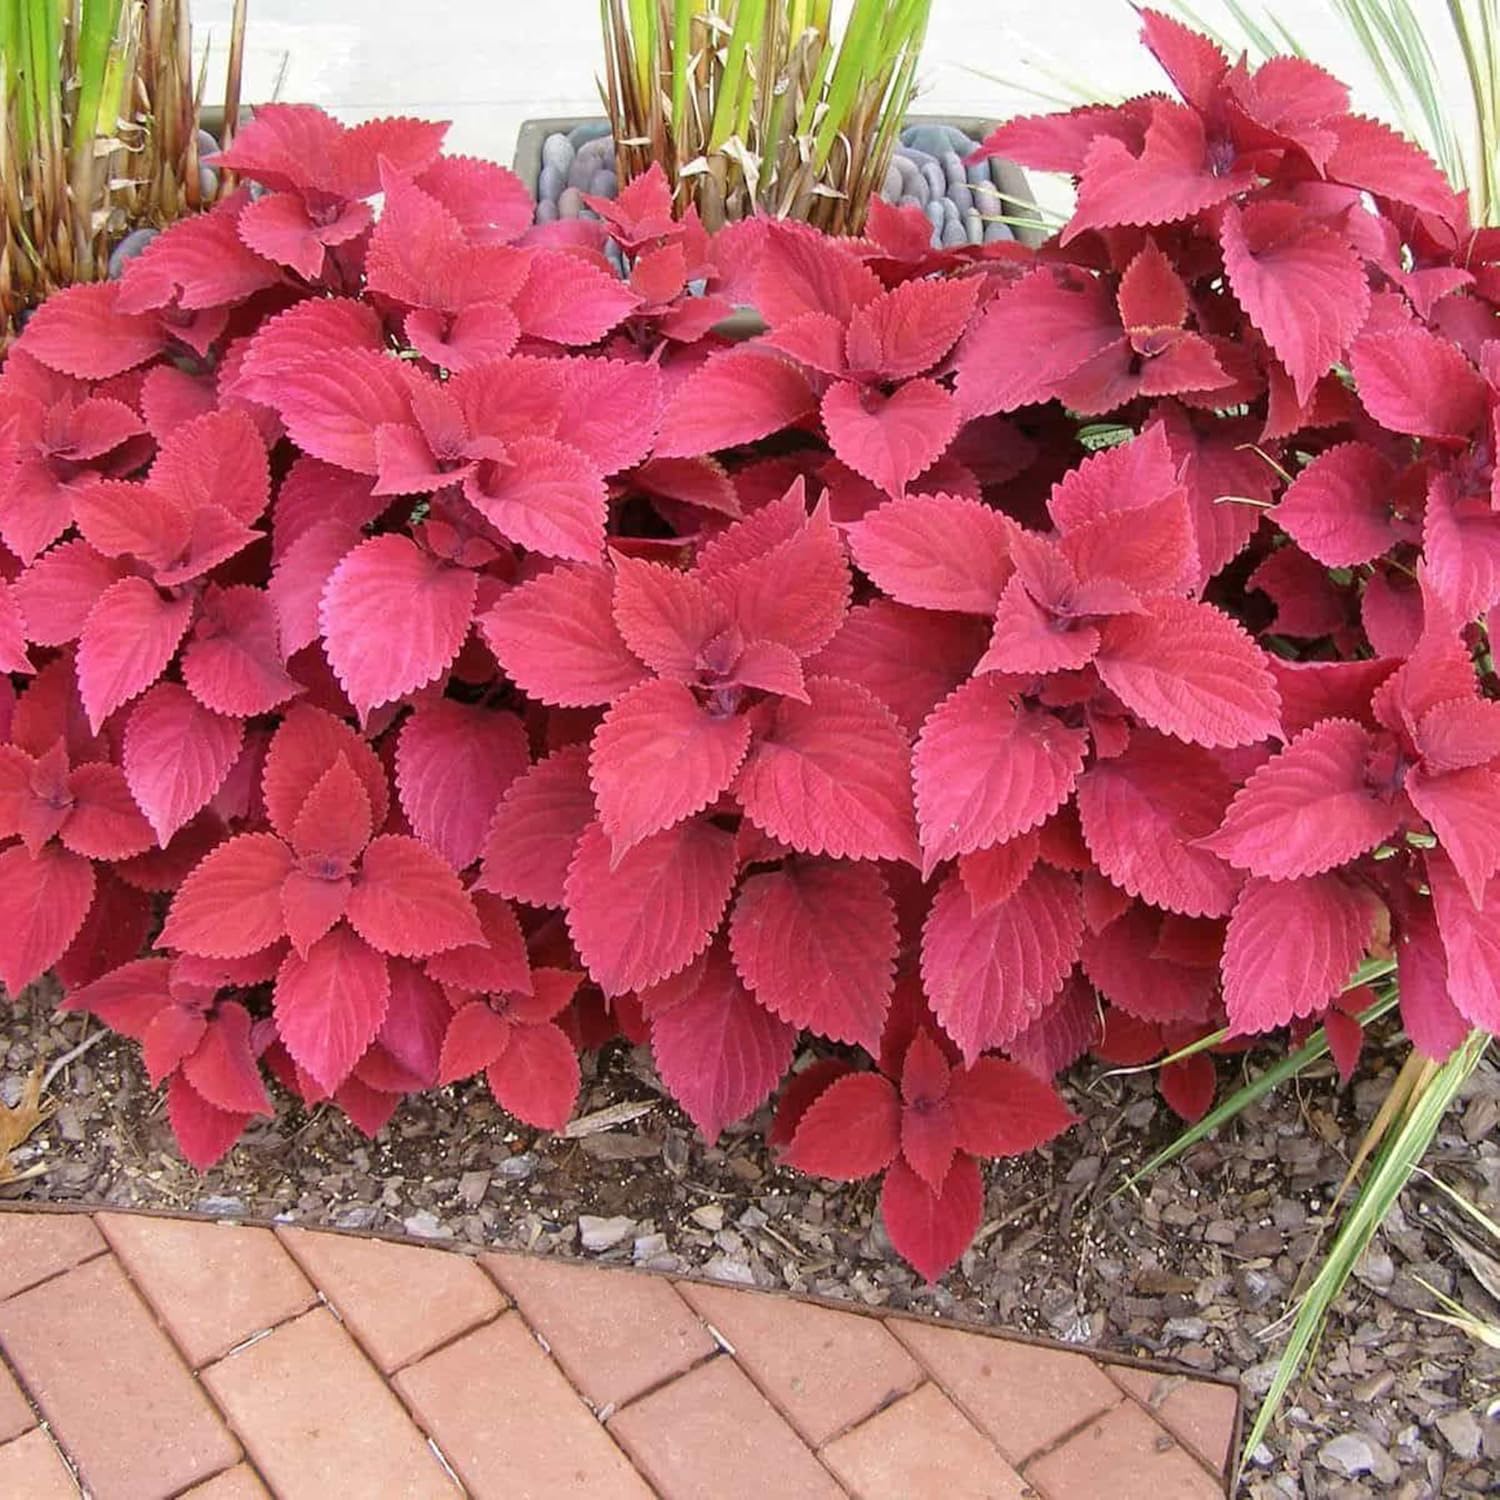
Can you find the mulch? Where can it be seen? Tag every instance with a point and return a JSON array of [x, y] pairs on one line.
[[1196, 1267]]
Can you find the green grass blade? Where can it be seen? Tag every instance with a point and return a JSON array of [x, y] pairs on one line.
[[1393, 1168], [1309, 1052]]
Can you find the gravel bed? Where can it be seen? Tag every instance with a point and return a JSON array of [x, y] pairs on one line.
[[1195, 1268]]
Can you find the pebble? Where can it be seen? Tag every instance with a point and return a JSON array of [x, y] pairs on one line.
[[933, 208], [569, 203], [598, 1234], [558, 153], [360, 1216], [518, 1168], [426, 1225], [954, 232], [891, 188], [472, 1187], [937, 184], [220, 1205], [128, 249], [978, 174], [1192, 1329], [591, 130], [1462, 1432], [550, 182], [546, 213], [1348, 1455], [709, 1216], [974, 227], [960, 196], [648, 1246], [605, 184]]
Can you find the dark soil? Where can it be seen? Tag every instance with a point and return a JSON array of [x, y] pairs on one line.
[[1196, 1267]]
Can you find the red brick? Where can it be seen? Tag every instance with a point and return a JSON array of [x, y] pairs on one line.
[[211, 1285], [1024, 1396], [16, 1414], [30, 1469], [712, 1433], [510, 1424], [825, 1370], [1199, 1412], [923, 1445], [36, 1246], [317, 1419], [616, 1333], [121, 1403], [1126, 1456], [399, 1301], [238, 1483]]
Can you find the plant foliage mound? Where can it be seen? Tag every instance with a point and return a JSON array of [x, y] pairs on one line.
[[430, 655]]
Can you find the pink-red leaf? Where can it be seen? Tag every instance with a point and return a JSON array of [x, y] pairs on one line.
[[43, 903], [407, 900], [329, 1006], [737, 397], [230, 906], [177, 755], [530, 841], [932, 1230], [851, 1130]]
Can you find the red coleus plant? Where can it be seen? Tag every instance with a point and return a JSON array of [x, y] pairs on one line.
[[428, 652]]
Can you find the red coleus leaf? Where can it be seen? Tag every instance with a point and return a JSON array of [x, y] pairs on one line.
[[1190, 671], [306, 745], [719, 1052], [1189, 1085], [1471, 942], [816, 941], [910, 659], [476, 1036], [988, 769], [222, 1068], [909, 328], [230, 905], [932, 1229], [1291, 946], [1031, 335], [1372, 156], [1171, 177], [935, 552], [56, 593], [406, 900], [1125, 964], [852, 1129], [1000, 1109], [1302, 284], [1338, 509], [530, 841], [556, 638], [659, 757], [995, 874], [1144, 814], [890, 439], [104, 821], [81, 331], [1310, 808], [204, 1133], [570, 299], [536, 1077], [233, 664], [1463, 808], [989, 974], [329, 1005], [1461, 549], [43, 902], [832, 776], [454, 762], [736, 397], [1411, 380], [333, 409], [547, 496], [665, 616], [646, 916], [128, 640], [394, 618], [177, 754], [1428, 1014]]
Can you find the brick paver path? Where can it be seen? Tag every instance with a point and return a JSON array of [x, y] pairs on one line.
[[149, 1357]]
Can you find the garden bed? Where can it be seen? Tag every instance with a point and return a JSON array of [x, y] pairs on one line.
[[1193, 1270]]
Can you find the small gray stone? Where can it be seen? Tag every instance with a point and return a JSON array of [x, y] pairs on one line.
[[550, 183], [648, 1246], [208, 143], [128, 249], [569, 203], [954, 234], [937, 184], [518, 1168], [597, 1234], [1348, 1455], [472, 1187], [546, 211], [208, 182], [960, 196], [910, 200], [221, 1206], [558, 152], [426, 1224], [1462, 1432], [958, 141], [1191, 1329], [995, 230], [935, 214], [974, 227], [930, 139], [360, 1216], [953, 167], [591, 130], [890, 189], [616, 257], [978, 174], [950, 212], [604, 184]]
